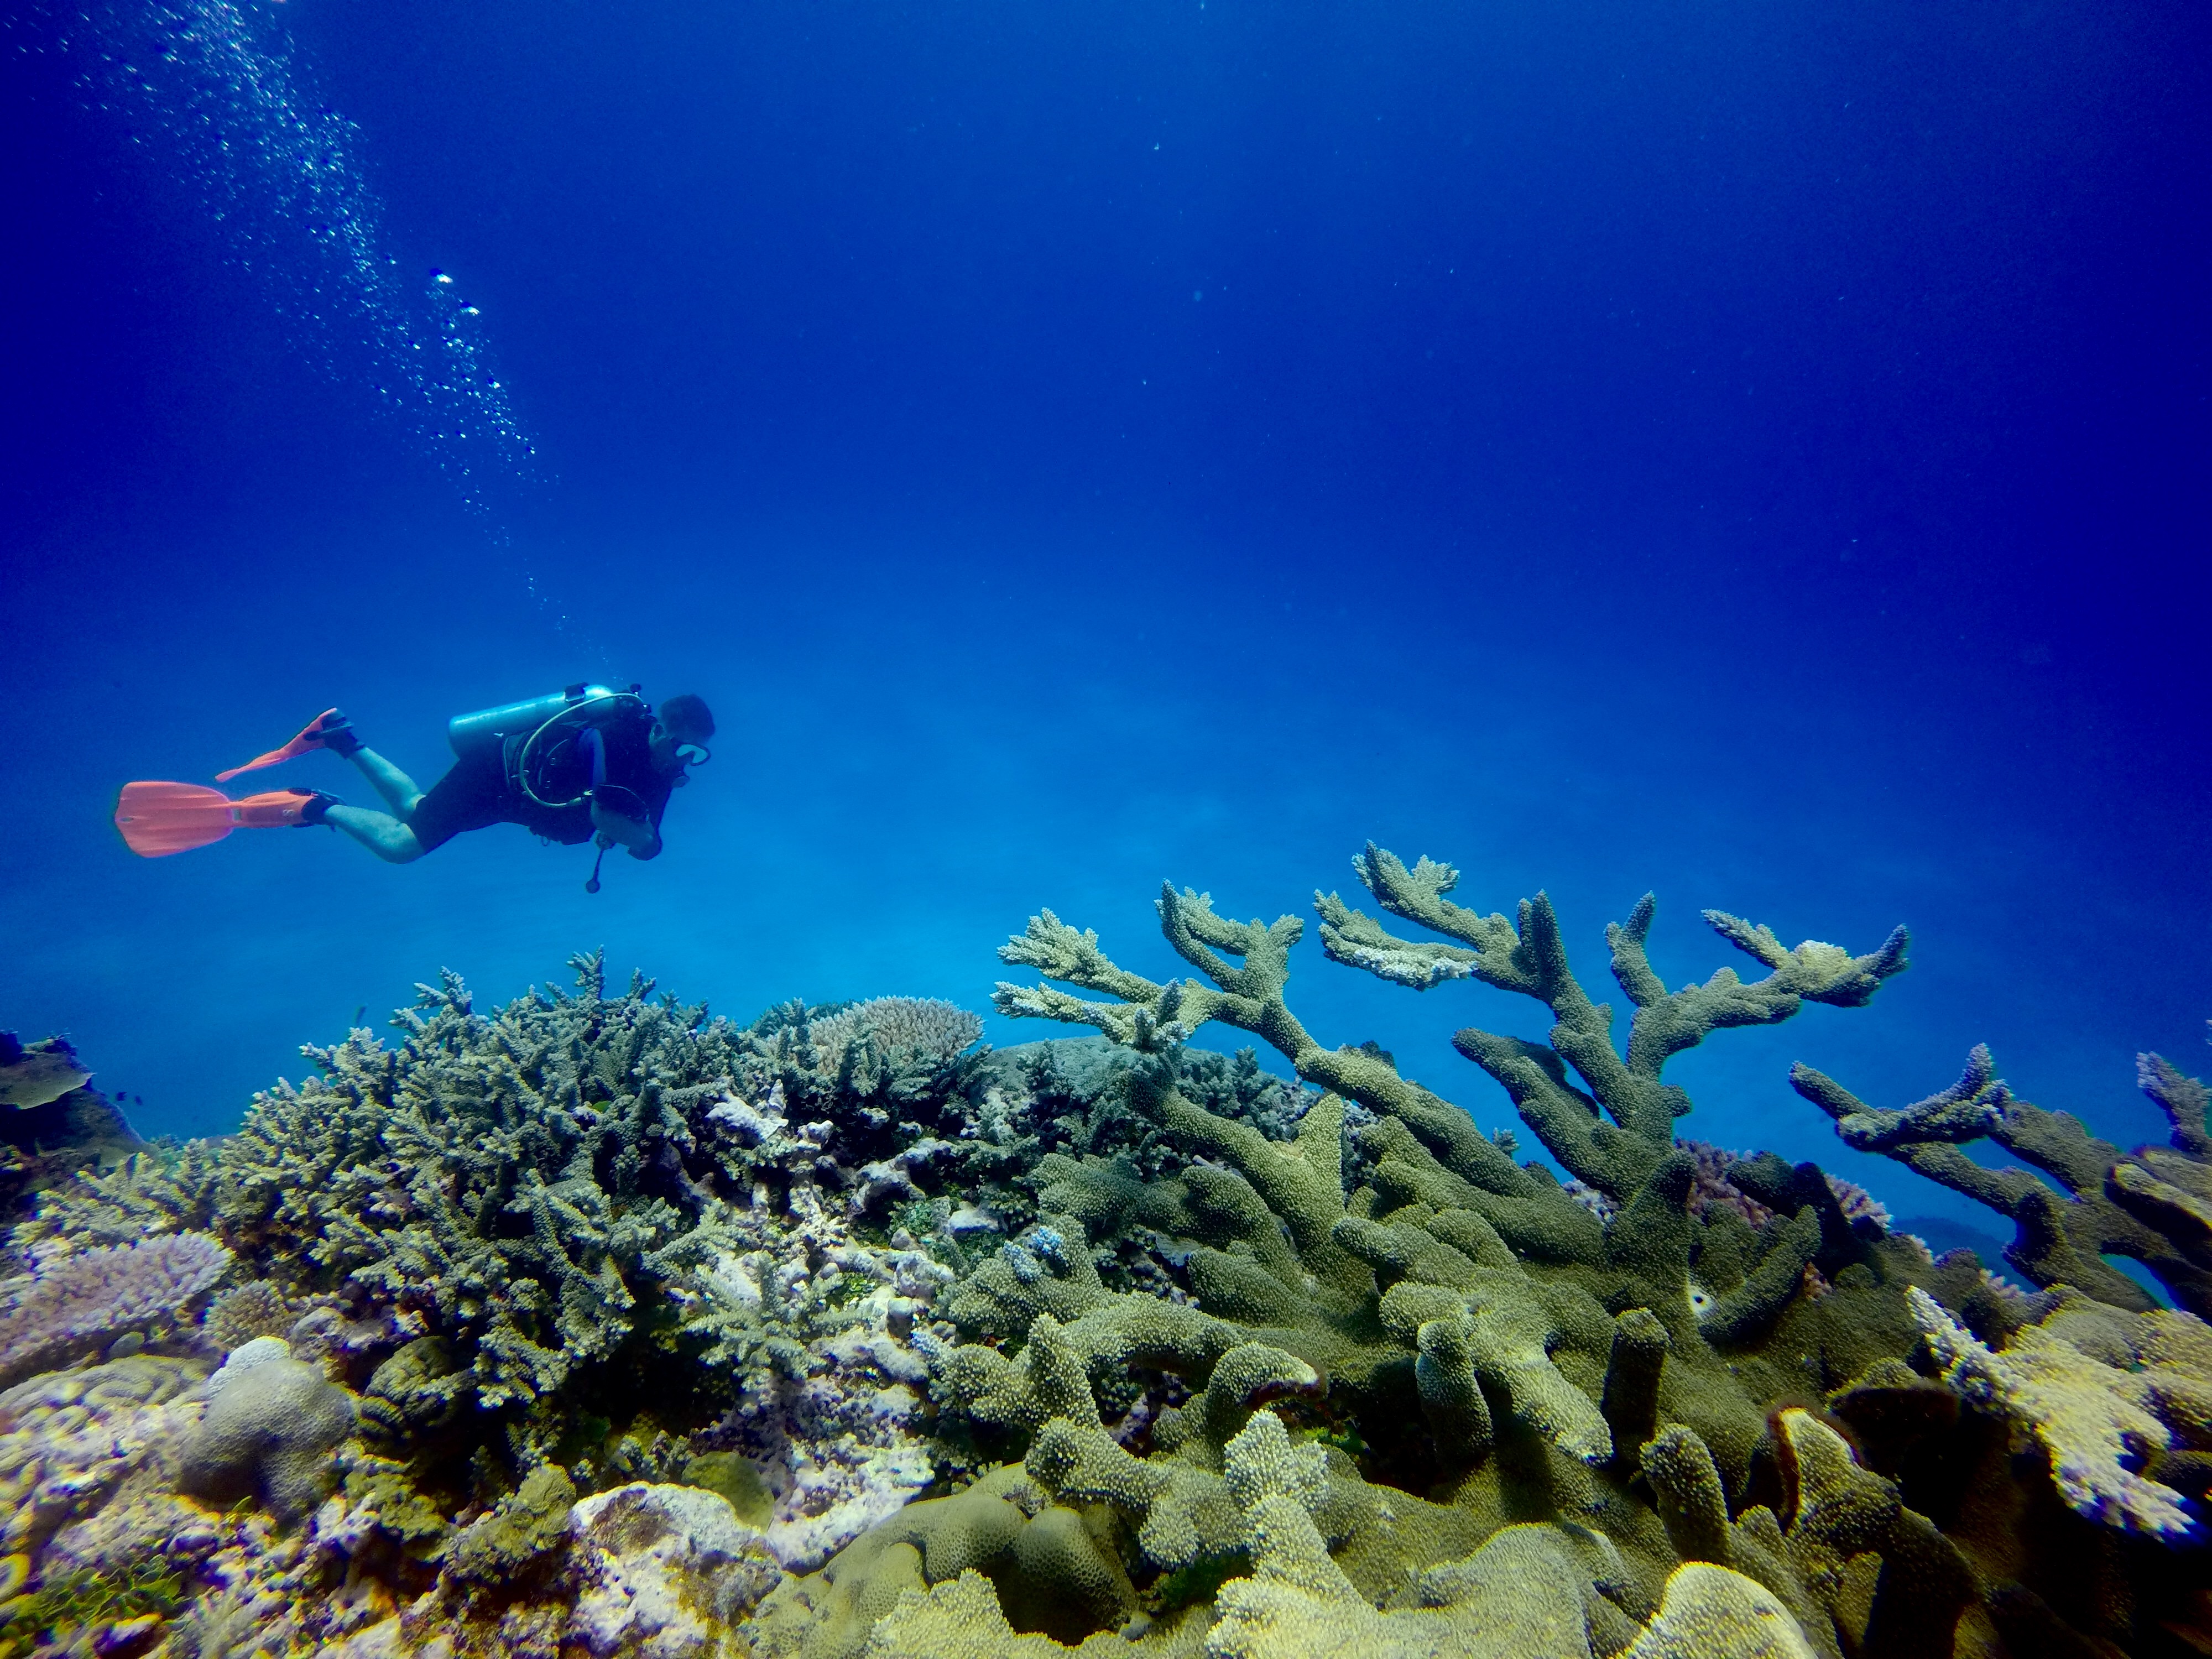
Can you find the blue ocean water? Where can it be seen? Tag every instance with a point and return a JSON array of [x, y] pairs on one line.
[[1755, 454]]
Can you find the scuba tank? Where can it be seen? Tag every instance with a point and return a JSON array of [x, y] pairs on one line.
[[528, 736], [487, 730]]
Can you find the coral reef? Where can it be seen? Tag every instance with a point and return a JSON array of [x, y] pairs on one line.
[[52, 1122], [2091, 1417], [2153, 1204], [597, 1325], [272, 1422]]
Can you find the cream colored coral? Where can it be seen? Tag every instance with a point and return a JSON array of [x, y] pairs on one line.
[[1708, 1611], [2088, 1416], [1520, 1597]]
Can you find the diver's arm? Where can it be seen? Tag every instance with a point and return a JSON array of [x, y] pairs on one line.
[[633, 833], [642, 839]]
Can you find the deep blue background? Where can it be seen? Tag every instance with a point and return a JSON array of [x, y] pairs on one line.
[[1753, 452]]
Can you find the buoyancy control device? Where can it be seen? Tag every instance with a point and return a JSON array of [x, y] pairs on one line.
[[529, 738]]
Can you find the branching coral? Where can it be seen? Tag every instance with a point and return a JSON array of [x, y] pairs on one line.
[[1459, 1318], [73, 1300], [2153, 1204], [1447, 1225], [563, 1187], [2094, 1420], [1219, 1363]]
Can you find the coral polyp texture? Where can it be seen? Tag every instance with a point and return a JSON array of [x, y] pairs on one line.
[[595, 1325]]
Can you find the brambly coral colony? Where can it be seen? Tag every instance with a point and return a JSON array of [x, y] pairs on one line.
[[595, 1326]]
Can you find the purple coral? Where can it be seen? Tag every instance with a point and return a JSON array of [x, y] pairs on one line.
[[1710, 1186], [75, 1297]]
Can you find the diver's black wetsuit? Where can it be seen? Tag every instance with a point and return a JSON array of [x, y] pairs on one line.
[[480, 792]]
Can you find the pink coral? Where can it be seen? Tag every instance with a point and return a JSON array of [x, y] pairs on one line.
[[76, 1298]]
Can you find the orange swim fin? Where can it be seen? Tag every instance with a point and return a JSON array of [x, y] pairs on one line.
[[311, 736], [158, 819]]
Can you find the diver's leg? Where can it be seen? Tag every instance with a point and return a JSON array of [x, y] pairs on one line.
[[398, 789], [389, 839]]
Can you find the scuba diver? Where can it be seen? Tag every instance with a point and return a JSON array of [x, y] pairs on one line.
[[584, 763]]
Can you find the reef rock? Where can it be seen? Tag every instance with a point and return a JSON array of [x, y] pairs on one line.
[[667, 1572]]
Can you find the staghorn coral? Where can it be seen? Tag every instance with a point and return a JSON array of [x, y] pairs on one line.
[[1527, 1593], [2153, 1204], [1272, 1372], [1444, 1204], [559, 1192], [72, 1300], [1390, 1276]]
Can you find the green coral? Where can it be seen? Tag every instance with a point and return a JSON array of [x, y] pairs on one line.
[[1052, 1570], [1391, 1276], [545, 1188], [2153, 1204], [109, 1609], [1444, 1225], [531, 1524]]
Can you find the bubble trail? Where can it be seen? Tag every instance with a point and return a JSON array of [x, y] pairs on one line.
[[277, 169]]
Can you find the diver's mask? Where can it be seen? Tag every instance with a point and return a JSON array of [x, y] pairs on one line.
[[689, 755]]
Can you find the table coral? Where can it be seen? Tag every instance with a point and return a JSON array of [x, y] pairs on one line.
[[75, 1300]]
